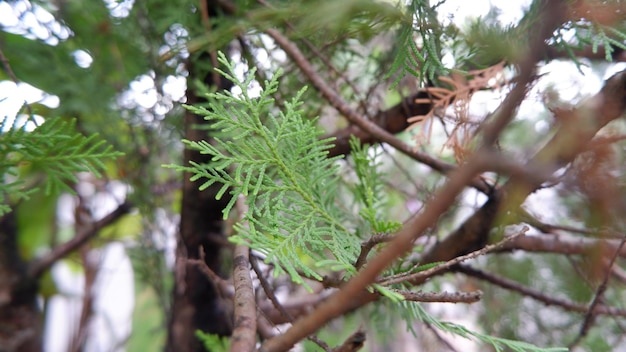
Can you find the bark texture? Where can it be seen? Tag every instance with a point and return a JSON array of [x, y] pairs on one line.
[[197, 304]]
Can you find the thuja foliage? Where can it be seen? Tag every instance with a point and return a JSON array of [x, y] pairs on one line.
[[276, 160], [424, 62], [55, 148], [278, 163], [413, 311], [213, 342]]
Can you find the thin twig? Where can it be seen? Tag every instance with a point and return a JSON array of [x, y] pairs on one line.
[[222, 286], [272, 297], [447, 297], [595, 302], [536, 295], [561, 245], [367, 246], [421, 275], [437, 334], [326, 62]]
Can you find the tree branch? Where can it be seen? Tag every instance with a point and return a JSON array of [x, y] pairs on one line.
[[569, 141], [448, 297], [335, 100], [595, 302], [244, 331], [537, 295], [272, 297], [39, 266], [352, 295], [421, 276], [561, 244], [222, 286]]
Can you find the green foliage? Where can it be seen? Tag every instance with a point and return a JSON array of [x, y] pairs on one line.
[[147, 330], [596, 35], [412, 311], [489, 42], [424, 61], [214, 342], [279, 164], [369, 190], [55, 148], [35, 228]]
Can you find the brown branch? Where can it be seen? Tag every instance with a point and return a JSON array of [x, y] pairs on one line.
[[39, 266], [367, 246], [222, 286], [392, 120], [351, 295], [420, 276], [297, 307], [272, 297], [335, 100], [323, 58], [448, 297], [353, 343], [536, 295], [561, 244], [569, 141], [595, 302], [244, 331], [91, 269]]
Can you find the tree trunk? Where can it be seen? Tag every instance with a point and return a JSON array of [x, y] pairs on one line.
[[196, 302], [20, 318]]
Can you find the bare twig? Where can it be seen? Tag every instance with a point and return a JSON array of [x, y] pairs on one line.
[[244, 332], [571, 139], [422, 275], [324, 59], [536, 295], [561, 244], [222, 286], [448, 297], [272, 297], [86, 233], [367, 246], [595, 302]]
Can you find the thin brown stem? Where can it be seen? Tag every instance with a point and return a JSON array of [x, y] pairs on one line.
[[422, 275], [536, 295], [595, 302], [447, 297]]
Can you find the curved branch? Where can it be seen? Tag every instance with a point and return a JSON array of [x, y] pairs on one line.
[[336, 101]]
